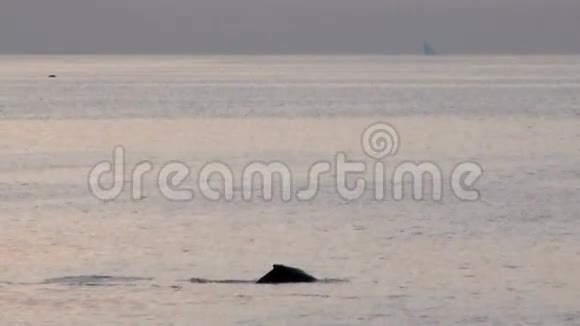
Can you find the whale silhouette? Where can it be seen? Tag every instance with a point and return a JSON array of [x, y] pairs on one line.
[[279, 274], [285, 274]]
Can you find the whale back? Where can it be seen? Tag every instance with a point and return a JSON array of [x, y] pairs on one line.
[[285, 274]]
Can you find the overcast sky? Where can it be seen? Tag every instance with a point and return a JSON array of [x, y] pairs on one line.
[[289, 26]]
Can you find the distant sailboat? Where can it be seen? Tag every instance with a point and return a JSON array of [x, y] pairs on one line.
[[428, 49]]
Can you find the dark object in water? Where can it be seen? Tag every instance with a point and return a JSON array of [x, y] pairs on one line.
[[284, 274], [51, 76]]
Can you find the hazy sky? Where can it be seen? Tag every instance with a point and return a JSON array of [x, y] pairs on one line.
[[289, 26]]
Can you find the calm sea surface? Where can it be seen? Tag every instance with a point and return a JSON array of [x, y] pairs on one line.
[[510, 258]]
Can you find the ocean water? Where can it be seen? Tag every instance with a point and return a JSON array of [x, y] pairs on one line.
[[510, 258]]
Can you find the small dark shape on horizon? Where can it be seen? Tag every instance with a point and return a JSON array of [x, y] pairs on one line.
[[51, 76], [428, 49], [285, 274]]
